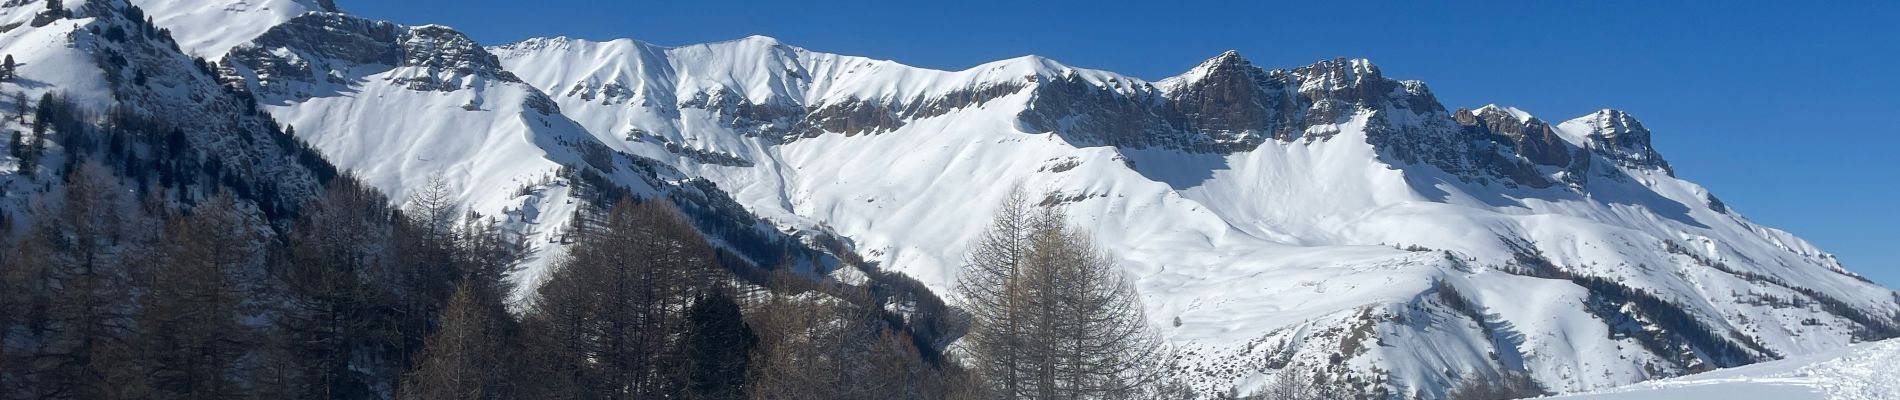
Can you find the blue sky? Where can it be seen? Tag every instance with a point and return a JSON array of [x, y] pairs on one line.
[[1788, 112]]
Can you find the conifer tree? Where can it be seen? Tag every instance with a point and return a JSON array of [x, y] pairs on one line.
[[717, 349]]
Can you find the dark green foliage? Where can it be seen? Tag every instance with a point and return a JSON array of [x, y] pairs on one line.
[[718, 348], [9, 70]]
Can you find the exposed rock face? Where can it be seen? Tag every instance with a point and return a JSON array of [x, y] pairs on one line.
[[1618, 136], [320, 38], [855, 116], [774, 118], [1332, 90], [1089, 114], [1233, 101], [449, 55], [331, 48], [1408, 125], [1236, 99], [784, 119], [1534, 139]]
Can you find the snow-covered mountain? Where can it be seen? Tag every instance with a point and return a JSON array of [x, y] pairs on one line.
[[1317, 215], [1323, 215]]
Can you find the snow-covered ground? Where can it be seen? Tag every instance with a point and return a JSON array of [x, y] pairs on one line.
[[1868, 371]]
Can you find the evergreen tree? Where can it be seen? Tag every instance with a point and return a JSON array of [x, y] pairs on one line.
[[8, 69], [16, 146], [718, 349]]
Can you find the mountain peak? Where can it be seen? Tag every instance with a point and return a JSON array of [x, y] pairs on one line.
[[1225, 61], [1229, 56], [1620, 136], [1227, 64]]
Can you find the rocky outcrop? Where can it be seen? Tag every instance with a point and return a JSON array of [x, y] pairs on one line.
[[322, 36], [1617, 136], [1090, 114], [775, 118], [448, 55], [1237, 100], [1233, 101], [784, 119], [332, 48], [1533, 139]]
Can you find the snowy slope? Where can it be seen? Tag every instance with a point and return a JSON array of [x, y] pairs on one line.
[[1323, 216], [1861, 372], [212, 28]]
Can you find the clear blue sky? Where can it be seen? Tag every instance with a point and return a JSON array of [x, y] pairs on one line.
[[1787, 111]]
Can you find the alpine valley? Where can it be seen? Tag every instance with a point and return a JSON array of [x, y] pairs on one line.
[[1326, 217]]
